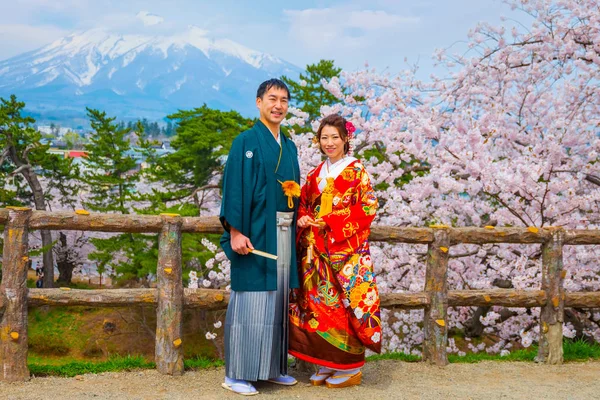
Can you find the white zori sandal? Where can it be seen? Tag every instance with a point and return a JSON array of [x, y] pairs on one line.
[[239, 386]]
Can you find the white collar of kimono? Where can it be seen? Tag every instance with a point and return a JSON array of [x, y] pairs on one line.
[[278, 139], [329, 170]]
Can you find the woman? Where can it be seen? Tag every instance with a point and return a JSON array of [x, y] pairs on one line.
[[334, 314]]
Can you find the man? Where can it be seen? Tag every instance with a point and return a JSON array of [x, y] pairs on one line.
[[257, 215]]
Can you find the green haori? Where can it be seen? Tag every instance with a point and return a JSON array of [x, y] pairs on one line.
[[252, 196]]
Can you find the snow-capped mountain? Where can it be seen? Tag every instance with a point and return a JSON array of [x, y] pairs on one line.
[[136, 76]]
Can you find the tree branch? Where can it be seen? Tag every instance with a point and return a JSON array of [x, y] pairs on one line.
[[20, 169], [513, 212], [25, 154], [588, 177], [3, 156]]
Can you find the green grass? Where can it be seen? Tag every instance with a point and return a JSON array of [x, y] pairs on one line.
[[69, 367], [74, 368], [202, 363], [519, 355], [394, 356], [55, 332], [43, 359], [581, 351], [573, 351]]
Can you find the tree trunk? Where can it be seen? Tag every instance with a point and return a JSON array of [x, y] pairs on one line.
[[64, 262], [40, 204], [65, 272], [579, 326], [47, 259], [473, 326]]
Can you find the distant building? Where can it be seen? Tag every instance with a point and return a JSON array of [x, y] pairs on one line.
[[77, 153], [58, 144]]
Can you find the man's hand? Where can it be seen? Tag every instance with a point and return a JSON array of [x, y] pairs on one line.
[[240, 243]]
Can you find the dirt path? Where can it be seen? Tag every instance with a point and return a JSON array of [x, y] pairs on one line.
[[383, 380]]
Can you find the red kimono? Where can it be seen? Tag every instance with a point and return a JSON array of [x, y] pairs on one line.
[[335, 314]]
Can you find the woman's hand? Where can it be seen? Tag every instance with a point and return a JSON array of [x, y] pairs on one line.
[[307, 220]]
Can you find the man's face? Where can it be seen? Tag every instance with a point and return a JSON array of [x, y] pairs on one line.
[[273, 106]]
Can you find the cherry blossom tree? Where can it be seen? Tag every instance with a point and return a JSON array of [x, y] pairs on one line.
[[508, 137]]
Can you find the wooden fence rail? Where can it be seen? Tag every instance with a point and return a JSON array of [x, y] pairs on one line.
[[170, 297]]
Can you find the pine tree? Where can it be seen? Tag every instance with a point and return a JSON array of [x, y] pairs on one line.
[[169, 129], [24, 161], [203, 138], [112, 178], [308, 94], [109, 161]]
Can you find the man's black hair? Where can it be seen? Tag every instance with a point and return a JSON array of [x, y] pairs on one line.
[[272, 83]]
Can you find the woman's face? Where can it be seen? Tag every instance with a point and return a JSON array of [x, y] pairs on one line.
[[332, 143]]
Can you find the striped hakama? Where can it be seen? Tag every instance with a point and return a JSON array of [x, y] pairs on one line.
[[256, 326]]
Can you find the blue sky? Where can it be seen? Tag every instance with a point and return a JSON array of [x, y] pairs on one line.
[[381, 32]]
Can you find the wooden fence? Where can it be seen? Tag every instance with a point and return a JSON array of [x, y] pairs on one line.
[[170, 297]]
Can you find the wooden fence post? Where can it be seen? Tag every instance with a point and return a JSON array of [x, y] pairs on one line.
[[436, 287], [169, 329], [13, 290], [550, 348]]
